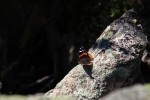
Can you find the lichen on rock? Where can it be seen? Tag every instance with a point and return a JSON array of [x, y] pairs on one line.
[[136, 92], [117, 55]]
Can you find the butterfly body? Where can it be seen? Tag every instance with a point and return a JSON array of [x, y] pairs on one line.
[[84, 57]]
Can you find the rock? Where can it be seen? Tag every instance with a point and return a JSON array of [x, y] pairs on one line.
[[33, 97], [117, 55], [137, 92]]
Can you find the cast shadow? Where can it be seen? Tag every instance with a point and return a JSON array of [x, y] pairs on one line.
[[88, 70]]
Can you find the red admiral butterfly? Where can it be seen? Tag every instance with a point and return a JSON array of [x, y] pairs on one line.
[[84, 57]]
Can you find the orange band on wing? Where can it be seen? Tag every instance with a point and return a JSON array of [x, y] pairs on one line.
[[86, 54], [91, 57], [83, 54]]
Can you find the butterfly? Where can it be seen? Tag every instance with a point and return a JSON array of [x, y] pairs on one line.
[[84, 57]]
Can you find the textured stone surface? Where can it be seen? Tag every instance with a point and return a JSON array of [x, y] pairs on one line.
[[117, 56], [33, 97], [137, 92]]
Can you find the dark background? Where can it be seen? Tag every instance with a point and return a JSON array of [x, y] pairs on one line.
[[39, 39]]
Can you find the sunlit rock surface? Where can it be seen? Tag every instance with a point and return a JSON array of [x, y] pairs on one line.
[[137, 92], [117, 56]]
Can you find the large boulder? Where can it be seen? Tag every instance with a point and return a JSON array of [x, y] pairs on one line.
[[117, 55], [137, 92]]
